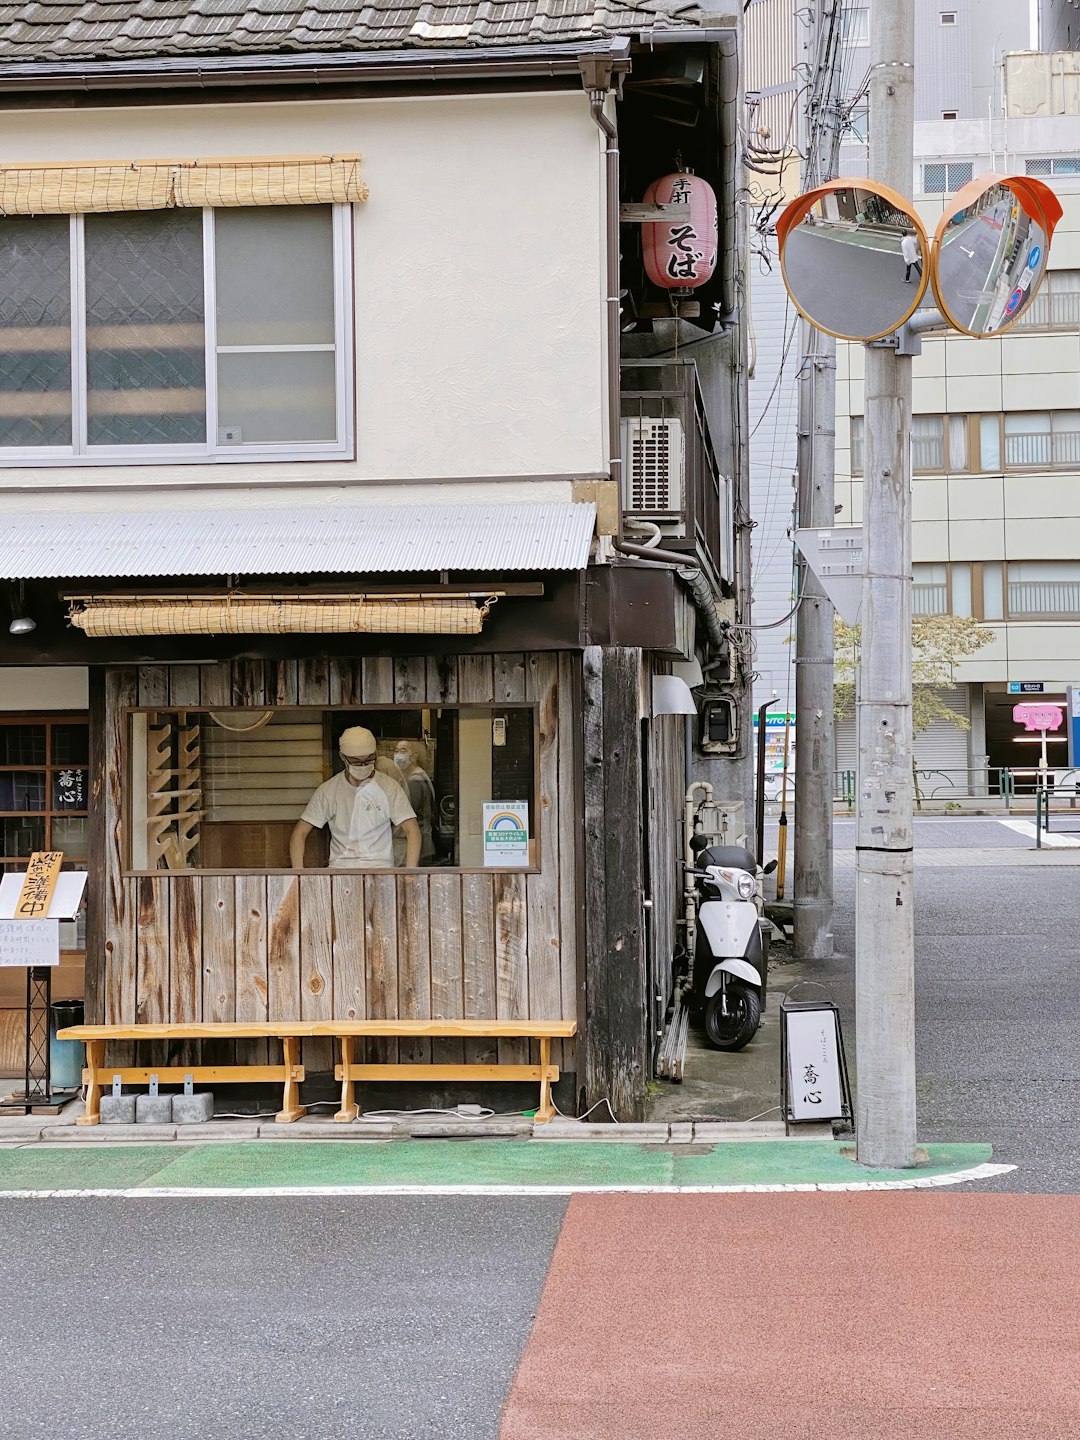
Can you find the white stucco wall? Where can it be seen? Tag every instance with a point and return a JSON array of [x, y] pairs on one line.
[[479, 291]]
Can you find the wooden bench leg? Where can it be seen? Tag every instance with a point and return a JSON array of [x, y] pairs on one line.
[[349, 1108], [547, 1109], [291, 1109], [95, 1063]]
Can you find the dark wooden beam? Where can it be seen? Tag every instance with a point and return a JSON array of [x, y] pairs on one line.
[[614, 1047], [94, 983]]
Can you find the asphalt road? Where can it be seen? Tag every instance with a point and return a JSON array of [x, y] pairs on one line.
[[352, 1319], [997, 998], [403, 1318], [848, 284]]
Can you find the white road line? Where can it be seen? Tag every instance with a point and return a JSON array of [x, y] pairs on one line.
[[191, 1192], [1055, 842]]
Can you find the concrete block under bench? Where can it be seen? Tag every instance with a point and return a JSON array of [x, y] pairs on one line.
[[153, 1109], [116, 1110], [194, 1109]]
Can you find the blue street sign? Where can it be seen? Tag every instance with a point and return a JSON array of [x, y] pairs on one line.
[[1034, 256]]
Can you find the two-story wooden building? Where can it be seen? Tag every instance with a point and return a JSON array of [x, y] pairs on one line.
[[323, 351]]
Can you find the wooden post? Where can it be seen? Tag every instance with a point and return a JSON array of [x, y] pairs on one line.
[[614, 1044], [94, 982], [349, 1108], [95, 1063]]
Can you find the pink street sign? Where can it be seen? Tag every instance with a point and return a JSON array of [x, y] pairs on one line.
[[1038, 717]]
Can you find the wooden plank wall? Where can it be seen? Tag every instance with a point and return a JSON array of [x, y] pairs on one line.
[[318, 946]]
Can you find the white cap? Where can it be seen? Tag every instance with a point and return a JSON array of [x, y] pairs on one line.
[[357, 741]]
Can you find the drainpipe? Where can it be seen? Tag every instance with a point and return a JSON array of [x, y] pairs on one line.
[[597, 83]]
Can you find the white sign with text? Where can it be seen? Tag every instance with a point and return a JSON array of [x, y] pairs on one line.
[[506, 832], [29, 942], [815, 1088]]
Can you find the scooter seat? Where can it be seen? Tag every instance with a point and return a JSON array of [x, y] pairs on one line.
[[731, 857]]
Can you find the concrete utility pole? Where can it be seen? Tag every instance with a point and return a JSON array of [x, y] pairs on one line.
[[814, 746], [884, 920]]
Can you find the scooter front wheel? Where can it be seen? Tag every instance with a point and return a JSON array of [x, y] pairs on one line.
[[738, 1027]]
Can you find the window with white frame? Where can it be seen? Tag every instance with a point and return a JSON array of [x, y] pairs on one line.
[[930, 589], [1053, 165], [174, 334], [1043, 587], [855, 25], [942, 177]]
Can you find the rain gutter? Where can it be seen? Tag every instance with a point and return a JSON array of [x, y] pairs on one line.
[[327, 68]]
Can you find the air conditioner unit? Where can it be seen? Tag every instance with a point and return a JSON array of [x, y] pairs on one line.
[[653, 466]]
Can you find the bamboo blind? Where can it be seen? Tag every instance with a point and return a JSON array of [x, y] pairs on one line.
[[106, 616], [180, 184]]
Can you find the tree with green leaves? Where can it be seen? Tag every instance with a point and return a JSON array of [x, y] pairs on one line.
[[939, 643]]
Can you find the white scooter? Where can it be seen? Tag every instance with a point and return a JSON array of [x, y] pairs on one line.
[[731, 943]]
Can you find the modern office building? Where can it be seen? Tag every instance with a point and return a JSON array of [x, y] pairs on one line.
[[996, 423]]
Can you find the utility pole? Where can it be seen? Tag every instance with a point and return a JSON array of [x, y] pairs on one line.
[[814, 744], [884, 920]]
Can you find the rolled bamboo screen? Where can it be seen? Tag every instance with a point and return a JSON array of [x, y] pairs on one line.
[[180, 184], [249, 616]]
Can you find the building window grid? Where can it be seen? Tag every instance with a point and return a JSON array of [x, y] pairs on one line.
[[1032, 590], [985, 444], [213, 450], [1057, 304]]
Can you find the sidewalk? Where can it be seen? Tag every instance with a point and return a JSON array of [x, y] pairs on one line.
[[555, 1166]]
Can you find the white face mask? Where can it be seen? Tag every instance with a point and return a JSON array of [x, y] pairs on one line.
[[403, 760], [360, 772]]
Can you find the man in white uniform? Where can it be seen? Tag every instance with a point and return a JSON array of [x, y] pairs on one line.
[[361, 807], [911, 255]]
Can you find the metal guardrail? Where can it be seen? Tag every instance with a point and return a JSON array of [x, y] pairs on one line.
[[994, 786], [1065, 785]]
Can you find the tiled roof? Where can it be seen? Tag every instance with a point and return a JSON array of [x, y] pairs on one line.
[[59, 30]]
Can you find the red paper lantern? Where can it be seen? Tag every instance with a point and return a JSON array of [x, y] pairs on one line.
[[681, 254]]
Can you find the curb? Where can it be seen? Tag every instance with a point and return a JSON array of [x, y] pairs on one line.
[[19, 1133]]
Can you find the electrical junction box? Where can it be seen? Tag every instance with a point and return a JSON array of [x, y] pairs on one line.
[[718, 724]]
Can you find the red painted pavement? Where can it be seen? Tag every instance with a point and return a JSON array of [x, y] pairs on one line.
[[920, 1315]]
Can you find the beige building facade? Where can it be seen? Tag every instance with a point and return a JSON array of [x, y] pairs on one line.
[[996, 464]]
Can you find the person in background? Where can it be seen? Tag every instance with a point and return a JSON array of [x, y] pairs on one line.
[[421, 795], [911, 255], [361, 806]]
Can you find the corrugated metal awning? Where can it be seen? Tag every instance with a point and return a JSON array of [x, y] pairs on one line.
[[296, 540]]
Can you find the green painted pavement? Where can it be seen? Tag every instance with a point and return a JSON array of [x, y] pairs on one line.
[[456, 1162]]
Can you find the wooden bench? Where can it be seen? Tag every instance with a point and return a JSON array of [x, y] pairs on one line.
[[97, 1075], [349, 1071]]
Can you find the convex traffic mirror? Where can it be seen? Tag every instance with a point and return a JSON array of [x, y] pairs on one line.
[[990, 251], [854, 258]]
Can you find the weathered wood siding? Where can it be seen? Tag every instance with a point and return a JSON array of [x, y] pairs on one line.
[[276, 945]]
